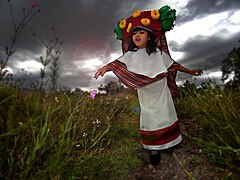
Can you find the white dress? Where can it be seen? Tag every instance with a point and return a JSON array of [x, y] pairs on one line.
[[159, 125]]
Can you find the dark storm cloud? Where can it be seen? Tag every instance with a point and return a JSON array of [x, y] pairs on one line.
[[201, 8], [74, 21], [85, 27], [206, 52]]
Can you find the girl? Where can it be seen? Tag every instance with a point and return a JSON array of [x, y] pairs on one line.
[[147, 67]]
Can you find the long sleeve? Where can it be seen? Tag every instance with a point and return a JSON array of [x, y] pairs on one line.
[[137, 70], [132, 79]]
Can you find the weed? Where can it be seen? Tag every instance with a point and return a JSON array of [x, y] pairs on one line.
[[66, 136], [216, 114]]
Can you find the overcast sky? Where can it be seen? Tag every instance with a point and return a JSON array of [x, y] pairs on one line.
[[205, 32]]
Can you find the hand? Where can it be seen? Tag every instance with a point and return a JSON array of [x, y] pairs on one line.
[[101, 71], [196, 72]]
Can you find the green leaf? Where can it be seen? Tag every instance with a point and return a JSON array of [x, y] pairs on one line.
[[118, 32], [167, 17]]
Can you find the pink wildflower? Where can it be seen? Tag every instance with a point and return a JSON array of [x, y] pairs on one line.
[[93, 94], [33, 4]]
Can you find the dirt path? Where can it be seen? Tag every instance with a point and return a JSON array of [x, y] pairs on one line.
[[186, 162], [180, 165]]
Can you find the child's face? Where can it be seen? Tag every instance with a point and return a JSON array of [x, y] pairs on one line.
[[140, 38]]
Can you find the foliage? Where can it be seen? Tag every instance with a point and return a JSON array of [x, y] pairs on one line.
[[51, 58], [69, 136], [59, 135], [111, 88], [215, 113], [17, 80], [18, 29], [231, 67]]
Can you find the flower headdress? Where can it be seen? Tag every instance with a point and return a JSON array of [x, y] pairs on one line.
[[157, 21]]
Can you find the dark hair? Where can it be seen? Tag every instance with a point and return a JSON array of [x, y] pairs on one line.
[[151, 46]]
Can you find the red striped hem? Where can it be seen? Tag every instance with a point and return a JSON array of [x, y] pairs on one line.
[[161, 141], [160, 131], [161, 136]]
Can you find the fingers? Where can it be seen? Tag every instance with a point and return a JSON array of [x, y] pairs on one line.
[[99, 72], [96, 75], [198, 72]]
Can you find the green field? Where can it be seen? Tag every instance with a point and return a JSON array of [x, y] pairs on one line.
[[67, 136]]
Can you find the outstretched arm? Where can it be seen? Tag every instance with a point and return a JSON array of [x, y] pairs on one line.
[[194, 72], [102, 71]]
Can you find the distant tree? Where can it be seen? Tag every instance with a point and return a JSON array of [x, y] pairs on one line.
[[105, 88], [77, 91], [231, 67], [111, 87], [63, 89]]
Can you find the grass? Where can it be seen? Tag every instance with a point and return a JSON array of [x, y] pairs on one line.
[[66, 136], [215, 114], [52, 136]]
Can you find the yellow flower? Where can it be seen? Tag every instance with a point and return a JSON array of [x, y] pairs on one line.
[[229, 173], [145, 21], [129, 27], [136, 13], [123, 24], [155, 14]]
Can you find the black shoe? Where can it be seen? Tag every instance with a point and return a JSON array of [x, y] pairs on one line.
[[154, 157], [168, 150]]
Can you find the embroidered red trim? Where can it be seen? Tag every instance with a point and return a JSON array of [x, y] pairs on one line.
[[161, 136]]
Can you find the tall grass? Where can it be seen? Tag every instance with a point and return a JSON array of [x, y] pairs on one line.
[[66, 136], [216, 112], [53, 136]]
